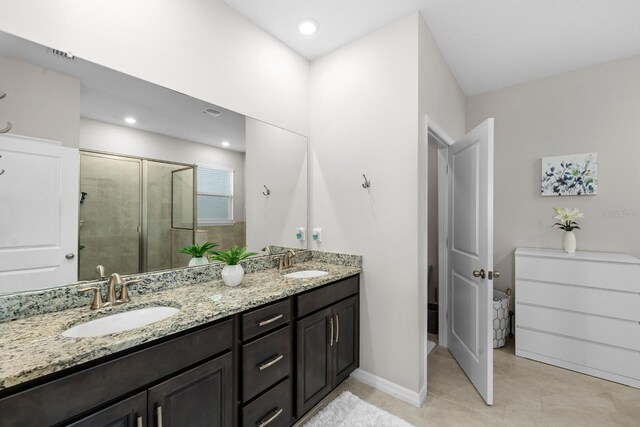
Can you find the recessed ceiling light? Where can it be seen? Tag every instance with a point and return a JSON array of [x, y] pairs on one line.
[[211, 112], [308, 26], [225, 143], [130, 120]]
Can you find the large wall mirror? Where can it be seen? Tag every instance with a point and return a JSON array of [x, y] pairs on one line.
[[150, 171]]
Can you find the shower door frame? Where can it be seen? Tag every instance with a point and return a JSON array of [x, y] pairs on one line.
[[143, 232]]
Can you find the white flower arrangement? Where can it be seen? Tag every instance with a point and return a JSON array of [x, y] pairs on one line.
[[567, 218]]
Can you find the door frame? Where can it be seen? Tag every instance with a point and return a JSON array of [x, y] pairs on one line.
[[444, 141]]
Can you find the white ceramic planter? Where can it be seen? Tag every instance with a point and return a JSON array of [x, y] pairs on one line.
[[198, 261], [569, 242], [232, 275]]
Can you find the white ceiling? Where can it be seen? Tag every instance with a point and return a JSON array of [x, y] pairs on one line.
[[488, 44], [110, 96]]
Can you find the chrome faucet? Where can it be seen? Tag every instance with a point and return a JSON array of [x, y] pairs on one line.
[[286, 261], [111, 300]]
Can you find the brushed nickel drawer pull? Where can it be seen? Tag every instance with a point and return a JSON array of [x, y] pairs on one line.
[[273, 319], [268, 421], [159, 416], [331, 336], [271, 362], [337, 328], [139, 422]]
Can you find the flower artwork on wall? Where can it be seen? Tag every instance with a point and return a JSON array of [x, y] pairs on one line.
[[570, 175]]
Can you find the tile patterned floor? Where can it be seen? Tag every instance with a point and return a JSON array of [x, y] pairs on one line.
[[526, 393]]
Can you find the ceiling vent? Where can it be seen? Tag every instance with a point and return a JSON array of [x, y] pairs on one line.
[[211, 112], [64, 55]]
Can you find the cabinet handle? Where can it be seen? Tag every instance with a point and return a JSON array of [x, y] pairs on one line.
[[331, 336], [159, 416], [273, 319], [272, 362], [264, 422], [139, 422], [337, 328]]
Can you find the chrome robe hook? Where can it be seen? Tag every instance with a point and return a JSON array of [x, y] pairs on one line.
[[9, 124], [367, 183], [267, 192]]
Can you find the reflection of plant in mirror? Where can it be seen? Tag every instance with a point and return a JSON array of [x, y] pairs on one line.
[[233, 256], [197, 251]]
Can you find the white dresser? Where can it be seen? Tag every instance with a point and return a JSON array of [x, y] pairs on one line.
[[580, 312]]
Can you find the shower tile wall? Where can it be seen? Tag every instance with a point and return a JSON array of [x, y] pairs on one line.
[[109, 216], [227, 235]]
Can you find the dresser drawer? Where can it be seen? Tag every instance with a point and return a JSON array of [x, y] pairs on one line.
[[581, 356], [265, 319], [327, 295], [602, 302], [605, 330], [265, 361], [595, 274], [272, 409]]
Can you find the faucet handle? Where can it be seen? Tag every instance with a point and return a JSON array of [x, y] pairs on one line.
[[100, 272], [124, 290], [96, 301]]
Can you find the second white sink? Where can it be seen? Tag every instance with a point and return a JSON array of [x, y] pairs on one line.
[[306, 274], [120, 322]]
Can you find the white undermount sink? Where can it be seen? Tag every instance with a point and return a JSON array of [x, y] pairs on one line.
[[120, 322], [305, 274]]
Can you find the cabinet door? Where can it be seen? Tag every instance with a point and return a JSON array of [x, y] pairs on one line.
[[131, 412], [346, 348], [314, 372], [201, 396]]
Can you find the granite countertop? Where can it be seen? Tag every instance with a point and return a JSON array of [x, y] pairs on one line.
[[33, 347]]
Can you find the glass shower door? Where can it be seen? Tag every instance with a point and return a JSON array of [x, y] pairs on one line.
[[110, 215]]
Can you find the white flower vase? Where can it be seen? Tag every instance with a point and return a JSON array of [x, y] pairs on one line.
[[232, 275], [198, 260], [569, 242]]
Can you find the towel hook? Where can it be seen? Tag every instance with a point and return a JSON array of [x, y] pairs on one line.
[[9, 124], [367, 183], [1, 170], [268, 191]]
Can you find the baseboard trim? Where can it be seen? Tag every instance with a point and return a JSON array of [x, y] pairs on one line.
[[393, 389]]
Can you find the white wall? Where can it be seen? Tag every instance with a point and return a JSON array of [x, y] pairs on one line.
[[593, 109], [364, 119], [202, 48], [110, 138], [276, 158], [40, 103]]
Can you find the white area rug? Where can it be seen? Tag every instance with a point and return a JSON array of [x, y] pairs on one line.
[[348, 410]]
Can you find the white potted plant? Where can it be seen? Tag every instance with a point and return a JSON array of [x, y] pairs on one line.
[[232, 273], [198, 253], [567, 221]]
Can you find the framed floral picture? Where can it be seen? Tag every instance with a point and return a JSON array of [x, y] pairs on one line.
[[570, 175]]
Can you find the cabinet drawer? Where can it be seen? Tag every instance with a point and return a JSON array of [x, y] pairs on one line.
[[615, 332], [273, 409], [604, 275], [265, 361], [265, 319], [327, 295], [132, 371], [603, 302]]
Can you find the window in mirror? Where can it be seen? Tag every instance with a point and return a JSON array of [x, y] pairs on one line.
[[215, 195]]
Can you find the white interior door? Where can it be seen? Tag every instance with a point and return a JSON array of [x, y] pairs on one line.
[[39, 198], [471, 256]]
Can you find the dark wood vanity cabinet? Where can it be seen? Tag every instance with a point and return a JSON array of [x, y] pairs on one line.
[[327, 345], [265, 367], [130, 412]]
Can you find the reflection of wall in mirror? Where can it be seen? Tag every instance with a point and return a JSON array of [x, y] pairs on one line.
[[40, 103], [278, 159]]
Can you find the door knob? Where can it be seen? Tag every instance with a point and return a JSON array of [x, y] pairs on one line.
[[480, 273], [70, 256], [496, 274]]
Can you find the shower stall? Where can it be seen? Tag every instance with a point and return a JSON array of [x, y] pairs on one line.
[[135, 214]]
